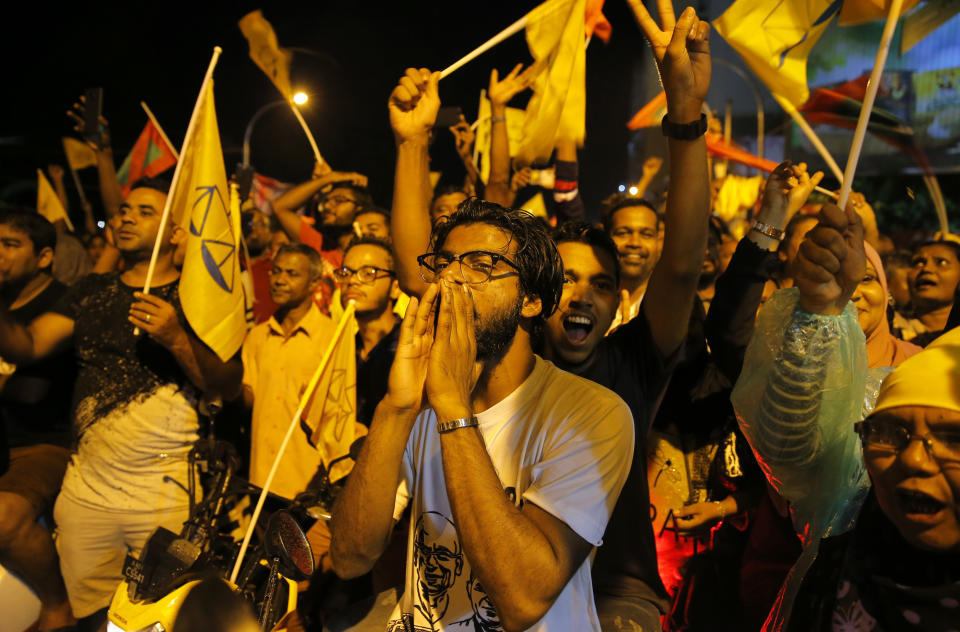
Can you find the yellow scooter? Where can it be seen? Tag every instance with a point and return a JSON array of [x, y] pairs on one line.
[[170, 566]]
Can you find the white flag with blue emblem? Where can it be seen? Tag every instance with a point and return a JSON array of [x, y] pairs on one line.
[[211, 290]]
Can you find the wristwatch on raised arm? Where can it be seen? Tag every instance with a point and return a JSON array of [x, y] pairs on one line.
[[684, 131]]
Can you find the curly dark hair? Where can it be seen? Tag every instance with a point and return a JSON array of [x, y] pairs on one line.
[[541, 271], [584, 233]]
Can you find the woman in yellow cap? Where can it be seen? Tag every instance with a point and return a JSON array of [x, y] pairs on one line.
[[876, 503]]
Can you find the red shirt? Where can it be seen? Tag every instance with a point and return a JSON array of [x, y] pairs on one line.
[[332, 259]]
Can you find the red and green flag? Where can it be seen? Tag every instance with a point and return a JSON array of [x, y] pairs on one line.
[[151, 155]]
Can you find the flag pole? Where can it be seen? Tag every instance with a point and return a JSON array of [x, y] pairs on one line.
[[306, 130], [160, 131], [294, 424], [790, 109], [490, 43], [176, 175], [76, 182], [872, 86]]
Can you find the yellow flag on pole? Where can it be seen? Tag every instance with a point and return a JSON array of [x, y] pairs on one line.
[[211, 289], [863, 11], [265, 51], [79, 154], [48, 203], [557, 109], [332, 413], [775, 38]]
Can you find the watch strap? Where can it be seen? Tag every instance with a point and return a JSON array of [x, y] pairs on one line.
[[684, 131], [456, 424], [768, 230]]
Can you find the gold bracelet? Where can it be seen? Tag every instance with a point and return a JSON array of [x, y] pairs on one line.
[[723, 512]]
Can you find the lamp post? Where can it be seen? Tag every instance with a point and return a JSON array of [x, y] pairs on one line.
[[299, 98]]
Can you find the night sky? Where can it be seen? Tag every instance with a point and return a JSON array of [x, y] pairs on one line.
[[348, 57]]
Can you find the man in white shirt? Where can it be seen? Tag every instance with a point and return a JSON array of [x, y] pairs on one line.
[[512, 468]]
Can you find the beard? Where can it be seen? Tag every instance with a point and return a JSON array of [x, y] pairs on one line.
[[495, 335]]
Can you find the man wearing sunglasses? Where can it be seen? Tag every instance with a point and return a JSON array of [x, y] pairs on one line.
[[367, 277]]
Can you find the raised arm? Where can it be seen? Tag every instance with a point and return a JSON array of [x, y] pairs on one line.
[[566, 187], [413, 109], [739, 289], [500, 92], [804, 376], [363, 513], [464, 138], [682, 52], [285, 205], [110, 190]]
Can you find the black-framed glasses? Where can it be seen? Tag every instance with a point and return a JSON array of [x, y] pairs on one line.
[[476, 266], [365, 274], [885, 435]]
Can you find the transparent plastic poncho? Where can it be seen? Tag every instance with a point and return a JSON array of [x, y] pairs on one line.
[[803, 386]]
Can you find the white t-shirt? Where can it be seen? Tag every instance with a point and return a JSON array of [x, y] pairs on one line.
[[558, 441]]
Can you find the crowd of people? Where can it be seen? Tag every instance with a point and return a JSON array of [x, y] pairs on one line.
[[656, 421]]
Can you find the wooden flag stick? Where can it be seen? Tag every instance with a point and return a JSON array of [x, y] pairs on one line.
[[801, 122], [490, 43], [176, 175], [160, 131], [872, 85], [306, 130], [76, 182], [294, 424]]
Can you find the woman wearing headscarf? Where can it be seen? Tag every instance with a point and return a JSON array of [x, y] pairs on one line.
[[879, 501], [871, 299]]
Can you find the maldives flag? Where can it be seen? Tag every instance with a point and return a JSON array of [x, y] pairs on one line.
[[151, 155]]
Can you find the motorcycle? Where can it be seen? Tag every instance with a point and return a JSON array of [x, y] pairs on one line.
[[171, 565]]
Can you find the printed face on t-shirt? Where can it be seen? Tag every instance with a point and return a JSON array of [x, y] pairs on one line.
[[587, 305]]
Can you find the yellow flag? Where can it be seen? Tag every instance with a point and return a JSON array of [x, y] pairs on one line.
[[79, 154], [515, 118], [48, 204], [774, 38], [332, 413], [862, 11], [556, 36], [265, 51], [211, 288]]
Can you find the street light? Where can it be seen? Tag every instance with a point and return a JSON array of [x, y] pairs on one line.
[[299, 98]]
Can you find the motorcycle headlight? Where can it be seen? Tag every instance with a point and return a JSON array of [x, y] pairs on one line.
[[156, 627]]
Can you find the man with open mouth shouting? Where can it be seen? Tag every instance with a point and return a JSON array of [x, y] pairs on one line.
[[635, 360]]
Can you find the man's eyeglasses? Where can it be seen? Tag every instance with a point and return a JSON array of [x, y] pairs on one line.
[[885, 435], [337, 199], [365, 274], [476, 267]]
